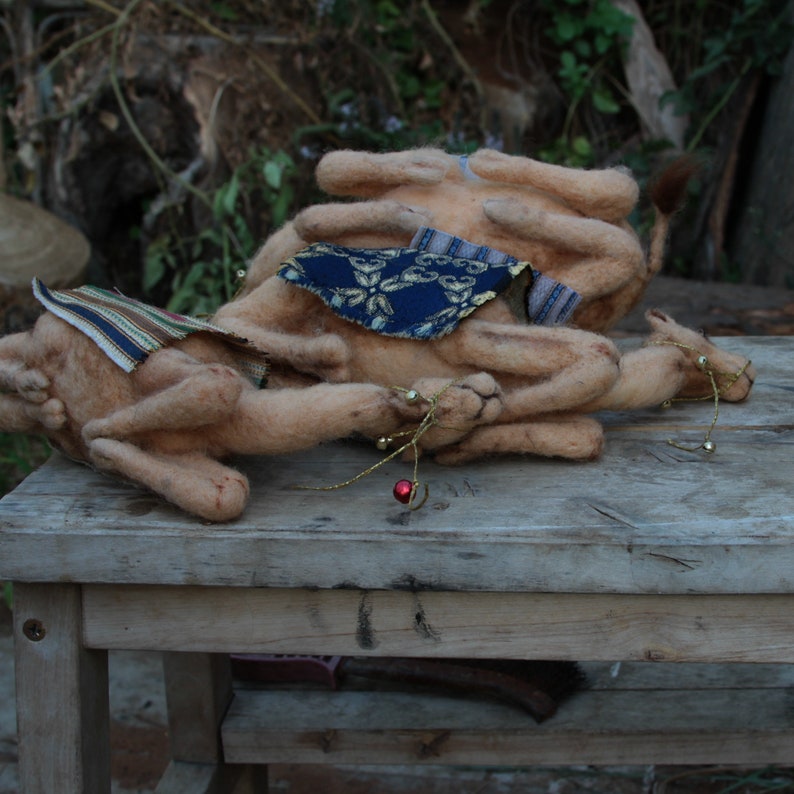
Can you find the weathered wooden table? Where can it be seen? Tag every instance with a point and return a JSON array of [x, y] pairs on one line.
[[652, 554]]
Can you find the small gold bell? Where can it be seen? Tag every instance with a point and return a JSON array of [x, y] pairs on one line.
[[667, 404], [383, 443], [412, 396], [702, 362], [709, 446]]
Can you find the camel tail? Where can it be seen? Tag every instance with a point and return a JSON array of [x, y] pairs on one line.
[[668, 195]]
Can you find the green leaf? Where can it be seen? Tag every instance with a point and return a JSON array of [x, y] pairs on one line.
[[603, 43], [157, 259], [583, 48], [387, 12], [225, 11], [604, 102], [243, 234], [226, 197], [567, 28], [581, 146], [410, 86], [272, 172], [568, 60], [280, 208], [708, 67], [153, 272]]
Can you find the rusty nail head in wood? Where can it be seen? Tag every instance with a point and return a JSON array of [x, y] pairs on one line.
[[33, 629]]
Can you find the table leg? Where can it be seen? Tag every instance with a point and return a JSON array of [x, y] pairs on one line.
[[62, 695], [198, 693]]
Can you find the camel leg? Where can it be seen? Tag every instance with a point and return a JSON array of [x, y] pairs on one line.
[[610, 255], [329, 222], [533, 351], [568, 390], [191, 481], [561, 367], [292, 419], [285, 420], [279, 305], [324, 357], [28, 407], [574, 438], [15, 375], [474, 400], [609, 194], [185, 393], [349, 173], [17, 415]]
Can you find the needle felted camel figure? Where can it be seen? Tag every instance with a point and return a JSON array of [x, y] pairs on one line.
[[502, 385], [570, 224], [159, 399], [355, 300], [163, 413], [549, 378], [164, 417]]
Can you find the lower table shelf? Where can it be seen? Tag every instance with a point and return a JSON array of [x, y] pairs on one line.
[[628, 714]]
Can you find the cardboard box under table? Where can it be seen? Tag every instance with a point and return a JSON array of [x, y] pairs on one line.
[[679, 565]]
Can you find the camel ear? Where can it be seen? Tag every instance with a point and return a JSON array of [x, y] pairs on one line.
[[658, 320]]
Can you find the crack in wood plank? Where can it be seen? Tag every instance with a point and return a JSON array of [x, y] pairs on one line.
[[613, 514], [675, 560]]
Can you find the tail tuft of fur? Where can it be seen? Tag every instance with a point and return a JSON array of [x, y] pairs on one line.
[[668, 190]]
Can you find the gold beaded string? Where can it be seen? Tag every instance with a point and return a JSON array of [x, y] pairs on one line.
[[239, 282], [704, 365], [429, 420]]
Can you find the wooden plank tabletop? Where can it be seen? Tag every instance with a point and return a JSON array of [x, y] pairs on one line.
[[646, 518]]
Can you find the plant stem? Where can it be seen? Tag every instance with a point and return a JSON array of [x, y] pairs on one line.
[[712, 114], [67, 51], [102, 5]]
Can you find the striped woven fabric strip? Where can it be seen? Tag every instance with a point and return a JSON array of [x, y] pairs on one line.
[[547, 302], [127, 331], [435, 241], [463, 162]]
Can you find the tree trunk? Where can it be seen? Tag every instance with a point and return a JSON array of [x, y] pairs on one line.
[[763, 241]]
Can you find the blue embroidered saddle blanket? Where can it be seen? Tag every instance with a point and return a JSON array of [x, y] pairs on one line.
[[127, 331], [422, 291]]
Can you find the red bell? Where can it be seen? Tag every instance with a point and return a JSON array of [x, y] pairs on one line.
[[403, 491]]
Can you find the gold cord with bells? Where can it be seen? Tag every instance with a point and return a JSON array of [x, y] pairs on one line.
[[404, 490], [704, 365]]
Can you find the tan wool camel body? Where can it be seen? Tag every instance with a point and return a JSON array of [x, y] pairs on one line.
[[570, 224], [166, 424], [549, 375], [493, 377]]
